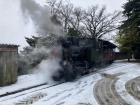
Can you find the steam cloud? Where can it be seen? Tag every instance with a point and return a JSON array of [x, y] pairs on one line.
[[45, 25], [47, 68], [41, 17]]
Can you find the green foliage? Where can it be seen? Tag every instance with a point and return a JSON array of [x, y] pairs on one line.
[[32, 55], [129, 32], [32, 41], [132, 8], [127, 40], [45, 41], [73, 32]]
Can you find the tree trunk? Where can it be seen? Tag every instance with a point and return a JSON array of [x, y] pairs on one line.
[[128, 55]]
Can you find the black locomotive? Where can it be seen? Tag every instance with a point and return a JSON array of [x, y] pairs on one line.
[[81, 55]]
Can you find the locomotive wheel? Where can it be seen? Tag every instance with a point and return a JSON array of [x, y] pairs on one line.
[[70, 77], [69, 72], [58, 76], [91, 68]]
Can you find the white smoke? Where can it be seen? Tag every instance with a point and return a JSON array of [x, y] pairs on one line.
[[41, 18], [47, 68], [45, 25]]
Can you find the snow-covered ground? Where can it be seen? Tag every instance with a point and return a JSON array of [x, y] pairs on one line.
[[106, 86]]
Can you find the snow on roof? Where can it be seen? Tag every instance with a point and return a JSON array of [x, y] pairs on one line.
[[8, 45]]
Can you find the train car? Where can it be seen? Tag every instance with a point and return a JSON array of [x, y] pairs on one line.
[[108, 53], [81, 55]]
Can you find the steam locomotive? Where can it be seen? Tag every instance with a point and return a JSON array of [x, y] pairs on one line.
[[82, 55]]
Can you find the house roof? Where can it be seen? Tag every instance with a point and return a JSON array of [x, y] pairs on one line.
[[8, 45], [107, 44]]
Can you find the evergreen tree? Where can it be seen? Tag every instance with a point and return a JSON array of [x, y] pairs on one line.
[[129, 31], [73, 32], [32, 41]]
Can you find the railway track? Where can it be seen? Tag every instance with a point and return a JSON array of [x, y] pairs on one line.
[[36, 89], [23, 92]]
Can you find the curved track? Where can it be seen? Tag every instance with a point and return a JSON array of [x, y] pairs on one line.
[[105, 92], [133, 88]]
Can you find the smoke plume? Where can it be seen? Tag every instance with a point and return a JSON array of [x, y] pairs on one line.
[[47, 68], [46, 25], [41, 18]]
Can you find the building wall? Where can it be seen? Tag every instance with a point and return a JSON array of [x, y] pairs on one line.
[[8, 65], [119, 56]]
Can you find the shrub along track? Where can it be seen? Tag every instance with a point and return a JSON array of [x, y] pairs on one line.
[[105, 92], [133, 88]]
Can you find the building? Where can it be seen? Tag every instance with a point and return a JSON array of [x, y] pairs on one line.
[[8, 64]]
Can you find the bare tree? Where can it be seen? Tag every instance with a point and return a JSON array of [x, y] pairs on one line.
[[94, 22], [63, 9], [76, 18], [66, 12], [54, 6], [98, 22]]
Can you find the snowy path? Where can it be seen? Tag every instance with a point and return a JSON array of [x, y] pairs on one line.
[[117, 84], [105, 91], [133, 88]]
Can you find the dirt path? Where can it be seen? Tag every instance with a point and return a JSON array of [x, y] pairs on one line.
[[105, 92], [133, 88]]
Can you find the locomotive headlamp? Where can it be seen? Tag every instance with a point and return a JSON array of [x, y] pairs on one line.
[[65, 62]]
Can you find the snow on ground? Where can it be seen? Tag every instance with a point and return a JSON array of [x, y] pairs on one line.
[[79, 92], [24, 81]]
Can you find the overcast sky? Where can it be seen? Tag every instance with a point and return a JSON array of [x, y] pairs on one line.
[[13, 26]]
